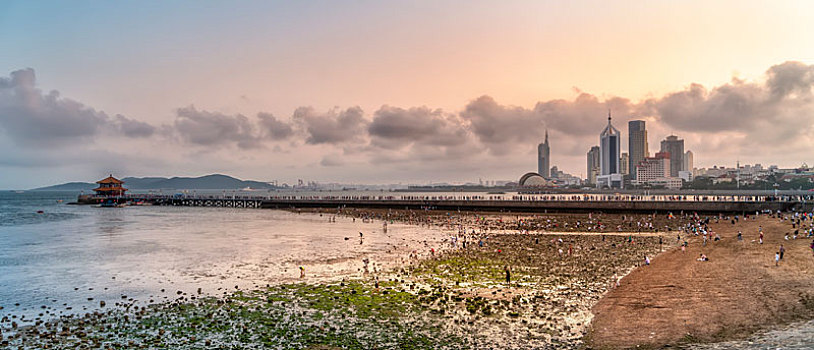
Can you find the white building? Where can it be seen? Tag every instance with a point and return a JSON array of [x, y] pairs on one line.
[[672, 183], [685, 175], [652, 168]]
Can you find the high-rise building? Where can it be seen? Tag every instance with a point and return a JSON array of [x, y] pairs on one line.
[[675, 146], [543, 159], [636, 144], [610, 149], [623, 163], [593, 164], [689, 162], [610, 155]]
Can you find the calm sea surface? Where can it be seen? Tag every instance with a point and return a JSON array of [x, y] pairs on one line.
[[68, 253]]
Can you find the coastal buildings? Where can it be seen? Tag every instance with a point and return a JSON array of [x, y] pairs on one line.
[[651, 168], [110, 186], [637, 144], [593, 164], [610, 156], [543, 158], [675, 146]]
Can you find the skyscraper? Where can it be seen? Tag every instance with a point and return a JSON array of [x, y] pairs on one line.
[[610, 153], [543, 160], [593, 164], [610, 149], [636, 145], [689, 162], [675, 146], [623, 163]]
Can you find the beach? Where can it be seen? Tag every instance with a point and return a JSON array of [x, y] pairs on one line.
[[485, 280]]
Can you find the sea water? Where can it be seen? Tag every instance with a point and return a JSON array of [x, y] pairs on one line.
[[68, 258]]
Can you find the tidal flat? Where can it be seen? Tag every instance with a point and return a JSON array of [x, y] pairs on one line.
[[457, 298]]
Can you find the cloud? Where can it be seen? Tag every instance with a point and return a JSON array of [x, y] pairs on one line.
[[273, 128], [332, 127], [790, 78], [767, 113], [499, 126], [32, 118], [212, 129], [132, 128], [331, 161], [394, 127]]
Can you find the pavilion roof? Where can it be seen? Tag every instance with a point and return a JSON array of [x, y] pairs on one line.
[[110, 180]]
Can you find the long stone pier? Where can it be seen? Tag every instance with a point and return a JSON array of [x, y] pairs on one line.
[[544, 206], [528, 203]]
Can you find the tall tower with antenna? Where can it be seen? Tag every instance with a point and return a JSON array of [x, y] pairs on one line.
[[543, 158]]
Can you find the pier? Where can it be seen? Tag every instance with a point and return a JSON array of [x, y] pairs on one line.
[[619, 203]]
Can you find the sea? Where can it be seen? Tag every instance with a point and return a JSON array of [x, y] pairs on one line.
[[58, 259]]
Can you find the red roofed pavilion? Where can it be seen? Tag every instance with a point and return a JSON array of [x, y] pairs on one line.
[[110, 186]]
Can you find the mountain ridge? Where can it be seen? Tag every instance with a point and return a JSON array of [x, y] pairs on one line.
[[206, 182]]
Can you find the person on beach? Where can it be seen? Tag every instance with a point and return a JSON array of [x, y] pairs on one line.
[[777, 259], [740, 236], [302, 272], [508, 274], [782, 251], [761, 237], [703, 257], [646, 260]]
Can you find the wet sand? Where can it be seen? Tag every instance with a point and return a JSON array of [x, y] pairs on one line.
[[679, 300]]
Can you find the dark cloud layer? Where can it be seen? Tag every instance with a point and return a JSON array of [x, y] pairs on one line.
[[212, 128], [273, 128], [774, 110], [33, 118], [394, 127], [332, 127]]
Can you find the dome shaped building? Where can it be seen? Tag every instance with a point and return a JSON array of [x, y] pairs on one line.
[[532, 180]]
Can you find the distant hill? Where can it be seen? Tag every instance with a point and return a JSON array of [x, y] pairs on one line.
[[208, 182], [70, 186]]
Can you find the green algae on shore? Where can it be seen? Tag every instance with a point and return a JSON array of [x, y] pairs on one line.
[[352, 315]]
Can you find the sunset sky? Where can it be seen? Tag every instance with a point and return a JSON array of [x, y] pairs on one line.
[[392, 91]]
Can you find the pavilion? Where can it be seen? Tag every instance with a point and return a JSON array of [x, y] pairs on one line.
[[109, 187]]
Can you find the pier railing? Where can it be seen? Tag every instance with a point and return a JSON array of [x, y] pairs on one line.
[[510, 202]]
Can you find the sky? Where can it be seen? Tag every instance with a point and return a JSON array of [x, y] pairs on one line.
[[385, 92]]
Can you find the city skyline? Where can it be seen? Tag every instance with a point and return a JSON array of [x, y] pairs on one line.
[[373, 93]]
